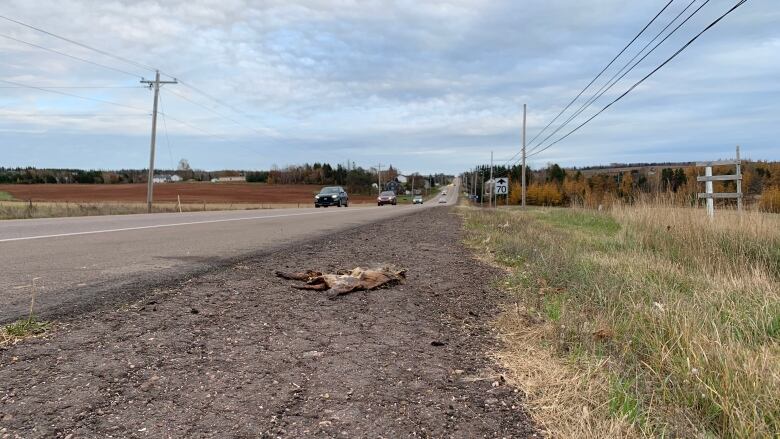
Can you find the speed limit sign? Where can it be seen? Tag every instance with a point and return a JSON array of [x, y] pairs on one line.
[[502, 186]]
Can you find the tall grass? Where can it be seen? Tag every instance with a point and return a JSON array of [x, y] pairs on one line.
[[678, 316]]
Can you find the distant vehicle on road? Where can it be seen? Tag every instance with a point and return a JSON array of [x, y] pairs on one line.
[[417, 199], [331, 196], [386, 197], [442, 199]]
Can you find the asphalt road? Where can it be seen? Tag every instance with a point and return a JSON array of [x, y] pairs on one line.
[[79, 262]]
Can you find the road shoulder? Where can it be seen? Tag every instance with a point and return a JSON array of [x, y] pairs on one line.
[[238, 352]]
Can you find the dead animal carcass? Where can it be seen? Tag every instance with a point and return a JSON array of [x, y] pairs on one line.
[[345, 282]]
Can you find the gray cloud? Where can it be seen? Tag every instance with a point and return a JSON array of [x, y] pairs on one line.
[[427, 85]]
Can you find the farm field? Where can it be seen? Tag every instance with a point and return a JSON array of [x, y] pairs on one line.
[[168, 192]]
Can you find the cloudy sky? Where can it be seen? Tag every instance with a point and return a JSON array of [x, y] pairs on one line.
[[424, 85]]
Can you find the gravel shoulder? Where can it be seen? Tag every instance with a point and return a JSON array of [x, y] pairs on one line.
[[237, 352]]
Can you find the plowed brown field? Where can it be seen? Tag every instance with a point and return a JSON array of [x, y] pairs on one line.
[[189, 192]]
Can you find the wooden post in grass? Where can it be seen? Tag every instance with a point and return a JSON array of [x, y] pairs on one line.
[[708, 180], [708, 188]]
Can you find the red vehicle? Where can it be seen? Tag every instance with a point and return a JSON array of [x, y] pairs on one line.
[[386, 197]]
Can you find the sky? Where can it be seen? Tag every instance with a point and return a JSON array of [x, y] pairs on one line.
[[427, 86]]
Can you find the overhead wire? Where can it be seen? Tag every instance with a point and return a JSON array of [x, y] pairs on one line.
[[620, 74], [85, 46], [612, 61], [129, 61], [88, 98], [668, 60], [185, 98], [63, 87], [71, 56], [165, 130]]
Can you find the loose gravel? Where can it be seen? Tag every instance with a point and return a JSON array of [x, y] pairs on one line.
[[237, 352]]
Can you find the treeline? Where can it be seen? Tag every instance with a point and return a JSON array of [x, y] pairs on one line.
[[355, 178], [73, 176], [555, 186]]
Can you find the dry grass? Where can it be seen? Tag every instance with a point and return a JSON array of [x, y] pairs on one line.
[[642, 321], [48, 209]]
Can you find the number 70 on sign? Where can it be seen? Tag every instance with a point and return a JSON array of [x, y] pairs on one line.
[[502, 186]]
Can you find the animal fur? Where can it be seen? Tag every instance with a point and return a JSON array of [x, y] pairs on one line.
[[358, 279]]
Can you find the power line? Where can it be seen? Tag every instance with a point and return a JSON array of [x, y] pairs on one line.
[[102, 52], [194, 127], [126, 60], [71, 95], [165, 128], [70, 56], [180, 96], [710, 26], [220, 102], [601, 72], [63, 87], [66, 115], [613, 81]]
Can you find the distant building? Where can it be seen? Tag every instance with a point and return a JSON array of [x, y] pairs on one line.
[[393, 185], [167, 179], [229, 179]]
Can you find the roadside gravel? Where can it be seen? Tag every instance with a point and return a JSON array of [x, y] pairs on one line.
[[237, 352]]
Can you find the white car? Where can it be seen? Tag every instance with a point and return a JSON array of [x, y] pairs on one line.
[[442, 200]]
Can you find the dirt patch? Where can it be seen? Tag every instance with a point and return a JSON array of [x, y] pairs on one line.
[[168, 192], [240, 353]]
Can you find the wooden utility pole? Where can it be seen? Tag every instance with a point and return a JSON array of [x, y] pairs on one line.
[[379, 176], [522, 177], [476, 169], [492, 183], [150, 184]]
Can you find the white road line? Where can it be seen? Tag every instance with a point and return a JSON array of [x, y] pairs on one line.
[[157, 226]]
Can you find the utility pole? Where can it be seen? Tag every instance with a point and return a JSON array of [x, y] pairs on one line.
[[492, 183], [522, 177], [156, 86], [379, 176], [482, 190]]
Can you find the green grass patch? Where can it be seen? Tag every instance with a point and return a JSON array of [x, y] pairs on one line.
[[683, 313], [22, 329], [5, 196], [584, 221]]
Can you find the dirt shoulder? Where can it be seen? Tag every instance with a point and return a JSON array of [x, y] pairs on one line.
[[239, 353]]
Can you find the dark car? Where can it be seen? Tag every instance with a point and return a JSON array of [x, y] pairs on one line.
[[331, 196], [386, 197]]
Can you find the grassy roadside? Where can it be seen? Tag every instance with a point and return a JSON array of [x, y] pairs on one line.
[[643, 321], [51, 209], [5, 196]]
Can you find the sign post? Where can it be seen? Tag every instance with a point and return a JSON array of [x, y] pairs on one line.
[[502, 186]]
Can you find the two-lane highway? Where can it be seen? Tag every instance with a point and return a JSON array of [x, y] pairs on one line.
[[101, 255]]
